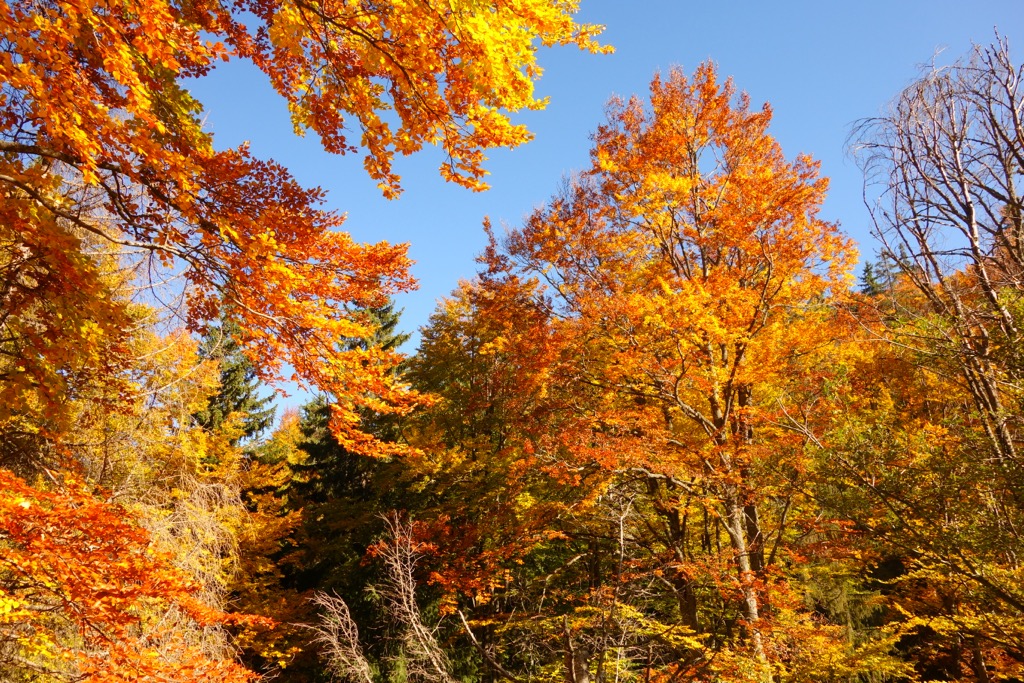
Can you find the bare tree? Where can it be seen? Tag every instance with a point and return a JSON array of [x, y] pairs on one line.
[[338, 634], [426, 660], [944, 170]]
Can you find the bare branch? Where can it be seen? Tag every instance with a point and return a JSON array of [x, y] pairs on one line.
[[338, 635]]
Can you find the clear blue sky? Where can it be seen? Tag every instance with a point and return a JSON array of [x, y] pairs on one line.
[[822, 65]]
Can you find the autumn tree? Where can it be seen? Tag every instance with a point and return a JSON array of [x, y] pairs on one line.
[[178, 482], [946, 162], [110, 184], [676, 306], [270, 553], [102, 140], [125, 448], [84, 597], [62, 338], [687, 260]]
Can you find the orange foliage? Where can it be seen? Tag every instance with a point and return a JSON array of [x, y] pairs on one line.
[[667, 319], [105, 172], [685, 275], [84, 598], [100, 139]]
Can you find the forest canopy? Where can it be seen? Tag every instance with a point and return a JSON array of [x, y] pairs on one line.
[[661, 435]]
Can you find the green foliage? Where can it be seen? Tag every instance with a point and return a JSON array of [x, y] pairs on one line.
[[239, 391], [879, 277]]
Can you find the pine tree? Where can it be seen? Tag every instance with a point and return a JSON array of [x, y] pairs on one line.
[[384, 320], [337, 472], [879, 277]]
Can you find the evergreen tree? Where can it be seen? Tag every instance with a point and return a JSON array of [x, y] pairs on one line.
[[340, 489], [335, 472], [869, 283], [239, 386], [878, 277], [344, 494], [386, 336]]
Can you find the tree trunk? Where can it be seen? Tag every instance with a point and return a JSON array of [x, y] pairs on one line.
[[755, 541], [576, 670], [736, 526]]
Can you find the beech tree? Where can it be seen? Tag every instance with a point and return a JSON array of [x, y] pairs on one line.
[[101, 140], [665, 322], [108, 181], [689, 266]]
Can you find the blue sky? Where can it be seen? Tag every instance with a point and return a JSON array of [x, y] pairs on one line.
[[822, 66]]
